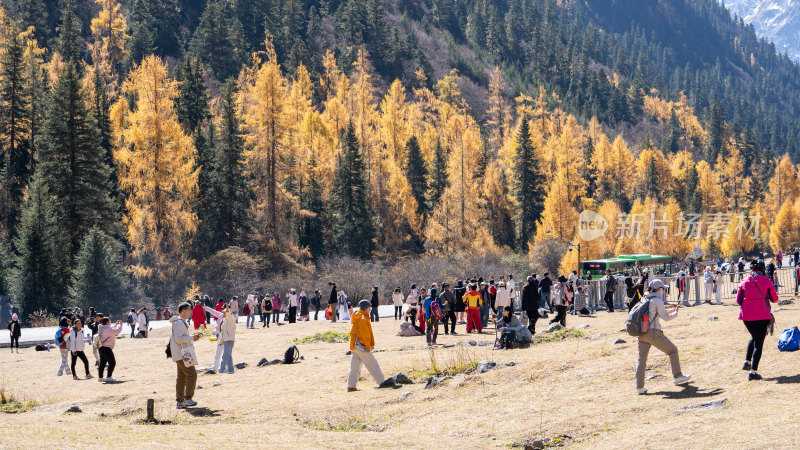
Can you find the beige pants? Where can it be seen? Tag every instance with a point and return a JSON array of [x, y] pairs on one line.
[[656, 339], [185, 383], [358, 358]]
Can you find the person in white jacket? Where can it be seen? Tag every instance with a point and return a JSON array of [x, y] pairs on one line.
[[502, 299], [75, 343], [718, 286], [217, 315], [227, 334], [397, 300], [142, 322], [179, 340]]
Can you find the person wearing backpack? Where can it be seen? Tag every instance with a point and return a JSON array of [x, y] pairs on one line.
[[433, 313], [654, 336], [362, 343], [266, 310], [611, 288], [75, 343], [180, 339], [754, 297], [131, 321], [61, 342], [562, 296]]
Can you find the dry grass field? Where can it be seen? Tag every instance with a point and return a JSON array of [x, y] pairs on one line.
[[581, 387]]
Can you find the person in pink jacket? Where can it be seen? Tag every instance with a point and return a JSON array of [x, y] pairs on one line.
[[108, 338], [755, 293]]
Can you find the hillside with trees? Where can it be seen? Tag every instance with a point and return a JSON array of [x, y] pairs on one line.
[[172, 145]]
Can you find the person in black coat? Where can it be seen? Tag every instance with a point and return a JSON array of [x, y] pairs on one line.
[[460, 307], [530, 302], [375, 302], [316, 301], [15, 330], [333, 302]]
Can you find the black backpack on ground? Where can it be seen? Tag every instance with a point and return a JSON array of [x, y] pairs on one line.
[[292, 355]]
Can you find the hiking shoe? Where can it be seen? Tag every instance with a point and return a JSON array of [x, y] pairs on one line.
[[89, 376], [75, 377], [641, 391], [190, 403], [681, 380], [101, 379], [746, 365], [352, 389], [753, 377], [110, 380], [180, 405]]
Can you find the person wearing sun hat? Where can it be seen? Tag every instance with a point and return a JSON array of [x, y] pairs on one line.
[[362, 343]]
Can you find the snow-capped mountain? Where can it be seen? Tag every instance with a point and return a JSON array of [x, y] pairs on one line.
[[777, 20]]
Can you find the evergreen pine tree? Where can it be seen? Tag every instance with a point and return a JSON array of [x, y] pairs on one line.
[[219, 40], [438, 176], [312, 226], [192, 103], [6, 264], [34, 13], [529, 184], [354, 231], [41, 273], [417, 174], [69, 32], [651, 188], [14, 121], [715, 133], [99, 278], [692, 199], [73, 164]]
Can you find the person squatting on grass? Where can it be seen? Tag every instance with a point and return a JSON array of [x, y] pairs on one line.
[[362, 342], [75, 343], [754, 294], [655, 337], [178, 340]]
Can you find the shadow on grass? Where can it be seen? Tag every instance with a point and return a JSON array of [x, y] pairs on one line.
[[689, 391], [785, 379], [203, 412]]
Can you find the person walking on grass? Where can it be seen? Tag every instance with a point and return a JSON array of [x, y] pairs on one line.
[[397, 301], [234, 307], [545, 285], [61, 342], [132, 320], [142, 322], [304, 302], [316, 302], [362, 343], [448, 300], [754, 296], [266, 310], [248, 310], [14, 331], [276, 308], [460, 308], [198, 315], [333, 301], [227, 334], [530, 302], [180, 340], [75, 342], [562, 296], [654, 337], [373, 313], [473, 301], [611, 288], [431, 323], [291, 305], [108, 338]]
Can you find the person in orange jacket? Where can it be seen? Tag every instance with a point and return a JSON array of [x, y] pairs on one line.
[[473, 301], [362, 342]]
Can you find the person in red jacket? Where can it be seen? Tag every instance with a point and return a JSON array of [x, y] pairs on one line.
[[473, 301], [198, 314], [755, 294]]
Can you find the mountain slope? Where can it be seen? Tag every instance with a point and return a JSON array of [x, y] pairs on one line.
[[775, 20]]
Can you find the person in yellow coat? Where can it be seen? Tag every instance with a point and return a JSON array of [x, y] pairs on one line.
[[362, 342]]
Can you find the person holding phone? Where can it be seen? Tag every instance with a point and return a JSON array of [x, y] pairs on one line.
[[654, 336], [108, 338], [75, 343]]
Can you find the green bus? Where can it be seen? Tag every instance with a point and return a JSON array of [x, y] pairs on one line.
[[625, 263]]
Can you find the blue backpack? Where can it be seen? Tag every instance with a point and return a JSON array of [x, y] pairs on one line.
[[59, 338], [789, 340]]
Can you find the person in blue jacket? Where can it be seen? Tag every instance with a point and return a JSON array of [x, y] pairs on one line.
[[432, 328]]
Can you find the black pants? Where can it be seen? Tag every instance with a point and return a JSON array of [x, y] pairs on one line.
[[266, 322], [82, 357], [263, 320], [373, 314], [398, 312], [561, 315], [431, 330], [15, 339], [533, 316], [449, 316], [292, 314], [106, 357], [758, 332], [275, 315], [609, 299], [316, 312], [796, 284], [208, 317]]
